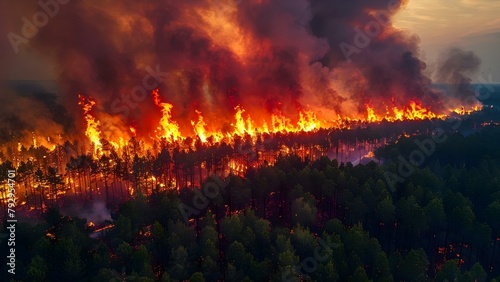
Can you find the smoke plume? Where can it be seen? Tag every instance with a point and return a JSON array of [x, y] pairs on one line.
[[269, 56], [455, 69], [95, 212]]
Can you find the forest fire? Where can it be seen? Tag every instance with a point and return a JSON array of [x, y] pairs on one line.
[[243, 123], [93, 131], [167, 128], [264, 140], [199, 127], [215, 71], [412, 112]]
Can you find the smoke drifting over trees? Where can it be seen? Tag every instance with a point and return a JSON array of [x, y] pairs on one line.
[[455, 69], [267, 56]]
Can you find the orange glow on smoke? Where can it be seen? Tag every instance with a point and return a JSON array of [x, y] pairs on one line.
[[221, 24]]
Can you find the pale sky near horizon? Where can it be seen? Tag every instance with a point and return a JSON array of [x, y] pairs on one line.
[[473, 25]]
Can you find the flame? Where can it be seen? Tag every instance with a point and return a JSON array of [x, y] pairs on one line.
[[167, 129], [371, 116], [246, 124], [414, 111], [280, 123], [93, 132], [418, 112], [35, 145], [462, 111], [265, 127], [243, 126], [199, 127], [307, 122], [370, 155], [398, 114]]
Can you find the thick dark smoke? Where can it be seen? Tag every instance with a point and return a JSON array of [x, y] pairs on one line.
[[455, 69], [28, 109], [264, 55], [389, 64]]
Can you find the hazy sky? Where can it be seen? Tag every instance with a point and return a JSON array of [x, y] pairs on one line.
[[470, 24]]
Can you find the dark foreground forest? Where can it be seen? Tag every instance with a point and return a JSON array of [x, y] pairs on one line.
[[294, 221]]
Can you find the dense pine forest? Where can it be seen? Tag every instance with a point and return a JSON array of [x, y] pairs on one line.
[[296, 220]]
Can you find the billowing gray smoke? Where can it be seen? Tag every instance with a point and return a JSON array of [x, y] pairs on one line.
[[331, 56], [455, 69], [95, 212]]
